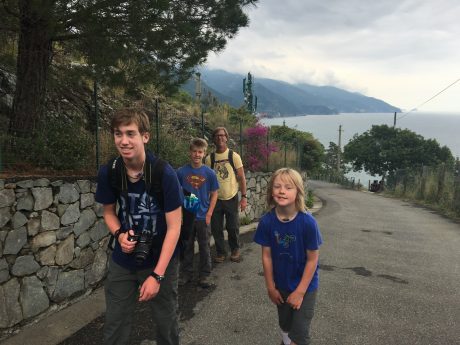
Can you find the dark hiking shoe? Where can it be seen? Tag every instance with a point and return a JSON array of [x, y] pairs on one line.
[[183, 280], [219, 258], [235, 257], [204, 282]]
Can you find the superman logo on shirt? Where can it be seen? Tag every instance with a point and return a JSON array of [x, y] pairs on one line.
[[196, 181]]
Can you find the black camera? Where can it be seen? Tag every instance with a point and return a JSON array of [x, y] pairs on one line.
[[143, 246]]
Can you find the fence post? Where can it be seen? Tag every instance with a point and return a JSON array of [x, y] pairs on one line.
[[456, 198], [241, 137], [268, 147], [441, 178], [96, 113], [157, 122]]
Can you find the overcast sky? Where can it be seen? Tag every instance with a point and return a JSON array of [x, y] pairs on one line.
[[400, 51]]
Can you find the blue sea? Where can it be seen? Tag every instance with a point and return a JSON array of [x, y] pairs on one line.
[[444, 127]]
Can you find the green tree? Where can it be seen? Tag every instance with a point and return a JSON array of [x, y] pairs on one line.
[[311, 151], [382, 150], [134, 42], [330, 160]]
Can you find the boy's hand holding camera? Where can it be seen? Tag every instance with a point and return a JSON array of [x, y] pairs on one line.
[[127, 245]]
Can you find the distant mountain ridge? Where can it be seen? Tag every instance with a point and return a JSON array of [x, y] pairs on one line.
[[279, 98]]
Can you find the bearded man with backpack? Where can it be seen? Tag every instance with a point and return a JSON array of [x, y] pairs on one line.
[[146, 229], [230, 174]]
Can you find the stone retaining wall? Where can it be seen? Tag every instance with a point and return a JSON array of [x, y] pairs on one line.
[[53, 243]]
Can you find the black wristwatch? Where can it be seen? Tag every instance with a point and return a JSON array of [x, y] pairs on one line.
[[244, 196], [158, 277]]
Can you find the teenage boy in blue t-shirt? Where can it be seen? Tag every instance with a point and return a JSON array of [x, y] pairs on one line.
[[200, 180], [153, 280]]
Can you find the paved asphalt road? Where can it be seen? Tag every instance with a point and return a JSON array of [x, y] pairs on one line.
[[389, 274]]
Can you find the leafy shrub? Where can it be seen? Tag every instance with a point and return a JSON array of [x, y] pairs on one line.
[[56, 144], [309, 200]]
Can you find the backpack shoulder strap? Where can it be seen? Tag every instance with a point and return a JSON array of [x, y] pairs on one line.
[[213, 160], [117, 175], [230, 160], [153, 172]]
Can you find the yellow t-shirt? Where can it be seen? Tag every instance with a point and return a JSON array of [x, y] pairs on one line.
[[228, 182]]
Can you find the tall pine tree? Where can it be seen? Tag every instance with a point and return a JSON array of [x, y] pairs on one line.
[[139, 42]]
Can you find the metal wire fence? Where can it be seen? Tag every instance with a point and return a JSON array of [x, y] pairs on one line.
[[65, 146], [437, 186]]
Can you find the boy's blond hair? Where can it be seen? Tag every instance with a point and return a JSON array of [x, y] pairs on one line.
[[292, 176], [198, 143], [127, 116]]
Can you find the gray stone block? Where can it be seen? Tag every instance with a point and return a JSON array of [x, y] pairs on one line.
[[85, 258], [4, 271], [10, 309], [18, 220], [42, 182], [99, 267], [65, 251], [98, 209], [25, 184], [86, 200], [50, 279], [99, 231], [47, 255], [33, 226], [44, 239], [61, 208], [25, 265], [84, 186], [43, 198], [64, 232], [7, 197], [83, 240], [5, 216], [68, 194], [87, 219], [15, 240], [34, 299], [25, 203], [68, 284], [57, 183], [71, 214], [49, 220]]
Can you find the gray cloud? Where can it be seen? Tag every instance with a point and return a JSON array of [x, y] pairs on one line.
[[360, 45]]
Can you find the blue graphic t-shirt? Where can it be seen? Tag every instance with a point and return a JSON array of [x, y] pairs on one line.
[[141, 212], [288, 243], [199, 181]]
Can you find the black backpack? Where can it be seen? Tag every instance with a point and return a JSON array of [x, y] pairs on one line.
[[212, 156]]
